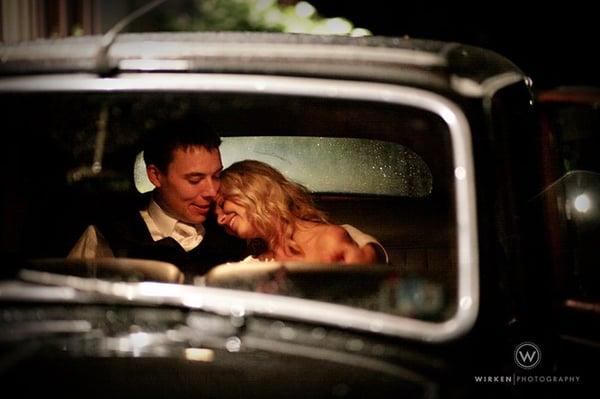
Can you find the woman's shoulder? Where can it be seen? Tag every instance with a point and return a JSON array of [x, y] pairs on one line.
[[332, 233]]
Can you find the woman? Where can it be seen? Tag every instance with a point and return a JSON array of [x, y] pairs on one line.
[[256, 202]]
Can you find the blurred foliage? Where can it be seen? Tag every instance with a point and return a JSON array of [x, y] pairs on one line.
[[244, 15], [226, 15]]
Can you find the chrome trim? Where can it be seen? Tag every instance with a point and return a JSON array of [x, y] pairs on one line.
[[146, 53], [487, 88], [330, 314], [239, 51], [466, 86], [154, 65], [494, 83]]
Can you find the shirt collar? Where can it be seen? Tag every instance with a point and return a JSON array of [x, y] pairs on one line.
[[164, 222], [160, 225]]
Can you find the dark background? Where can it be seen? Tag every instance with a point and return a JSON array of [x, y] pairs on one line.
[[554, 44]]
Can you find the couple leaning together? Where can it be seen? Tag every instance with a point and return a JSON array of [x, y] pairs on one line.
[[199, 215]]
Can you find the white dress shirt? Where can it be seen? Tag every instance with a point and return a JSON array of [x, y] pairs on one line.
[[160, 225], [92, 243]]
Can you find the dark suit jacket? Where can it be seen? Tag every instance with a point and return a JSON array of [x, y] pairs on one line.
[[128, 236]]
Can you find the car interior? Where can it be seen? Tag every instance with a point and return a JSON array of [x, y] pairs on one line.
[[74, 162]]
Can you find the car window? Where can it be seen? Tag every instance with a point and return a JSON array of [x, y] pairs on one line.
[[338, 165], [328, 164], [393, 169], [576, 130]]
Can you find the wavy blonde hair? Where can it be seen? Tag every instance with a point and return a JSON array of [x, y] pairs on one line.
[[273, 203]]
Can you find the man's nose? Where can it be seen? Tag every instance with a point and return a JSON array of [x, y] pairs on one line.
[[212, 186]]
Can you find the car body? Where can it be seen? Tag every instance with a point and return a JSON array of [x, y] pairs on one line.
[[569, 123], [431, 147]]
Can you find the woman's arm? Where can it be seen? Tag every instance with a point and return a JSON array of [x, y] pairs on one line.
[[336, 245]]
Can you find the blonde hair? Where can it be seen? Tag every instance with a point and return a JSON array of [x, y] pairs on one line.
[[273, 203]]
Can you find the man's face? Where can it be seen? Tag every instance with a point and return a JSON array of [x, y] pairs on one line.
[[187, 189]]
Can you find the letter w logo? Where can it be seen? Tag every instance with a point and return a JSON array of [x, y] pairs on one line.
[[527, 355]]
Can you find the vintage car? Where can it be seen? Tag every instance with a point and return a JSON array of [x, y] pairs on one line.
[[434, 148]]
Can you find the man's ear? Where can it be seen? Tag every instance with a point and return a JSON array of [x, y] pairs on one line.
[[154, 175]]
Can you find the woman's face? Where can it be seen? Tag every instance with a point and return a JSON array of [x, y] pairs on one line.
[[233, 217]]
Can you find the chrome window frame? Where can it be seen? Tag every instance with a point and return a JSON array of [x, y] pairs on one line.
[[329, 314]]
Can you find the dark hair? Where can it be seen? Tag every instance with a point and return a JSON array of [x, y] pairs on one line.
[[166, 136]]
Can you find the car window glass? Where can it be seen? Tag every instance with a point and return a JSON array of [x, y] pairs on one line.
[[338, 165], [386, 169], [327, 164], [577, 133]]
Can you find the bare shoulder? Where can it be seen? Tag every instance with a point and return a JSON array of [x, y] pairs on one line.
[[332, 234]]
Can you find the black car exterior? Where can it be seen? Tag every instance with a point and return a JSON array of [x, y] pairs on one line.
[[72, 335]]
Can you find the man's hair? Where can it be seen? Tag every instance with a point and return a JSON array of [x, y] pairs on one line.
[[167, 136]]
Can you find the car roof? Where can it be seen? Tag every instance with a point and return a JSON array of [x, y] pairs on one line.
[[388, 59]]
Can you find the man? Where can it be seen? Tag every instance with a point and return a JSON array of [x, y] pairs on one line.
[[176, 222]]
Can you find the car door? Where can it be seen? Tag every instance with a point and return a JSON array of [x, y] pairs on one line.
[[570, 132]]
